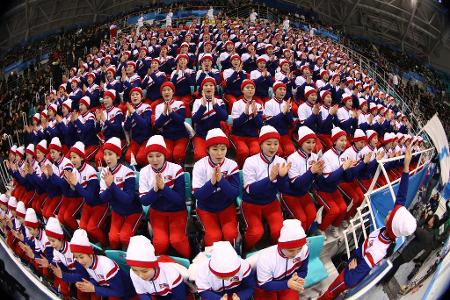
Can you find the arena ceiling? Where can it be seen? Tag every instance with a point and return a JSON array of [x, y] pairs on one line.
[[417, 26]]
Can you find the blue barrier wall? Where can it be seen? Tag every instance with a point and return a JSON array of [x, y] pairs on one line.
[[382, 202], [162, 16]]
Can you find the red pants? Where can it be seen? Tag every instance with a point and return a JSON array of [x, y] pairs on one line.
[[261, 100], [13, 244], [334, 208], [92, 220], [318, 146], [186, 99], [200, 150], [245, 147], [229, 100], [123, 107], [254, 215], [27, 197], [365, 184], [138, 151], [301, 207], [122, 229], [287, 294], [176, 150], [169, 228], [335, 289], [381, 181], [326, 140], [50, 206], [37, 203], [90, 152], [356, 195], [286, 146], [219, 226], [19, 191], [68, 210]]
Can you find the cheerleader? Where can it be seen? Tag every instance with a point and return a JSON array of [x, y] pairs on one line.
[[264, 176], [161, 185], [117, 187], [306, 166], [215, 182]]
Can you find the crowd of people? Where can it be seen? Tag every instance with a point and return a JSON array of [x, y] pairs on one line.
[[112, 140]]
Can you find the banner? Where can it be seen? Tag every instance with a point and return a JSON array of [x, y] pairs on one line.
[[438, 135]]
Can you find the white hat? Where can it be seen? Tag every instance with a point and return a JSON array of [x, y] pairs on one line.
[[31, 219], [373, 106], [336, 133], [21, 209], [4, 199], [400, 223], [36, 117], [53, 229], [78, 148], [53, 107], [224, 260], [20, 151], [42, 146], [292, 234], [268, 132], [362, 101], [388, 138], [156, 144], [216, 136], [309, 90], [12, 203], [113, 144], [359, 136], [55, 144], [86, 101], [68, 104], [44, 113], [371, 134], [30, 149], [305, 133], [399, 136], [346, 97], [324, 93], [80, 242], [13, 149], [110, 93], [141, 253]]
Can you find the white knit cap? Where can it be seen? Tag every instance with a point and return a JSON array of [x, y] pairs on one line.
[[12, 203], [388, 138], [268, 132], [30, 149], [373, 106], [324, 93], [371, 134], [42, 146], [13, 149], [216, 136], [156, 144], [346, 97], [401, 222], [141, 253], [113, 144], [67, 104], [4, 199], [53, 107], [53, 229], [359, 136], [20, 151], [399, 135], [55, 144], [224, 260], [78, 148], [86, 101], [21, 209], [336, 133], [309, 90], [292, 234], [31, 219], [36, 117], [80, 242], [305, 133]]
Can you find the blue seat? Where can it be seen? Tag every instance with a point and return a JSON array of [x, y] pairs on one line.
[[251, 254], [230, 120], [119, 257], [182, 261], [188, 191], [316, 268], [97, 248], [136, 175], [188, 120], [375, 275], [241, 189]]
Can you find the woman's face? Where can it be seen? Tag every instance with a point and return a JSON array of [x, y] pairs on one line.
[[309, 145], [270, 147], [110, 158], [156, 159], [217, 153], [167, 93], [144, 273], [341, 142], [249, 91]]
